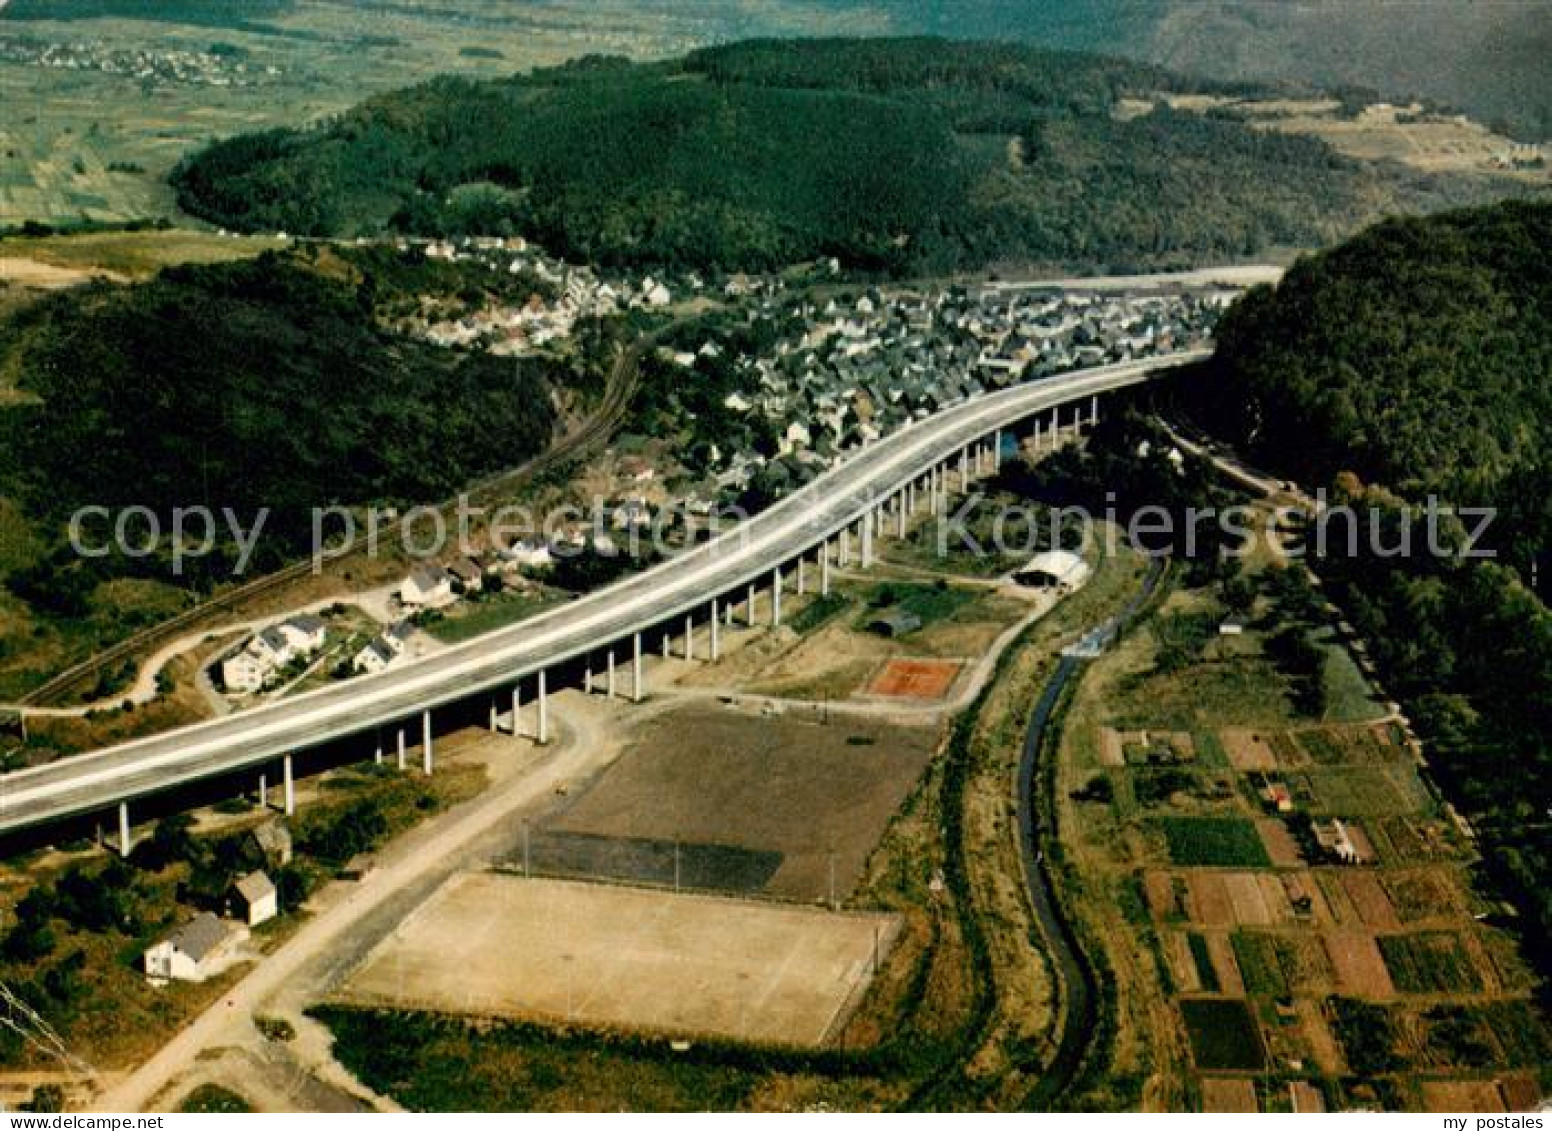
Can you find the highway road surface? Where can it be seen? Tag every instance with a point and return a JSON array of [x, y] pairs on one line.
[[685, 584]]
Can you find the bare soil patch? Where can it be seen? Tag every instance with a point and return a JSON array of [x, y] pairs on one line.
[[710, 776], [1358, 965], [1221, 949], [1462, 1095], [1229, 1094], [1212, 903], [1373, 905], [1246, 898], [1280, 845], [1248, 750]]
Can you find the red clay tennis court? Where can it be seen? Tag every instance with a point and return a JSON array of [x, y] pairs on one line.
[[915, 679]]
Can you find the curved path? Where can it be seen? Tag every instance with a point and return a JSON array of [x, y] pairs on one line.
[[754, 551], [145, 688]]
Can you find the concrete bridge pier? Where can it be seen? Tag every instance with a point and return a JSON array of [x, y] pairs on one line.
[[843, 552], [867, 540], [427, 757], [689, 636], [517, 705], [749, 605], [289, 780], [716, 641], [824, 568], [776, 597], [638, 689], [544, 711], [402, 745], [124, 844], [802, 574], [609, 674]]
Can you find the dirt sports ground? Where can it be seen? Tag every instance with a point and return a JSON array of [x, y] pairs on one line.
[[501, 945], [748, 803], [914, 679]]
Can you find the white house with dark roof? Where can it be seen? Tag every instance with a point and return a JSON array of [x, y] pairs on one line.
[[271, 649], [383, 649], [530, 553], [305, 632], [428, 587], [192, 952], [374, 657]]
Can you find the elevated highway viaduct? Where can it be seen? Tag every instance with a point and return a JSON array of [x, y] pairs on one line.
[[791, 546]]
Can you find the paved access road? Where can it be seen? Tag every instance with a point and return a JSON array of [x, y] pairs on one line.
[[641, 601]]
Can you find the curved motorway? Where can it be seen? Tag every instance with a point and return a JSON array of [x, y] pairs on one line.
[[680, 586]]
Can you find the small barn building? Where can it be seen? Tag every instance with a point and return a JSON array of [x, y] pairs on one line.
[[254, 899]]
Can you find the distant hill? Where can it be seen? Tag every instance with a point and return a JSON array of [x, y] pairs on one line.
[[900, 155], [201, 13], [1487, 59]]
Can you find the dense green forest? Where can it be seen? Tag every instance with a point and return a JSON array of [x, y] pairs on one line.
[[266, 383], [903, 155], [1417, 358], [1417, 355]]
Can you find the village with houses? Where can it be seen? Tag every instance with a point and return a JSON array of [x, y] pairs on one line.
[[847, 366]]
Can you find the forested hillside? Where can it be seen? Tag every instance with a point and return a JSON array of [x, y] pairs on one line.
[[1419, 356], [1488, 59], [259, 384], [899, 155]]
